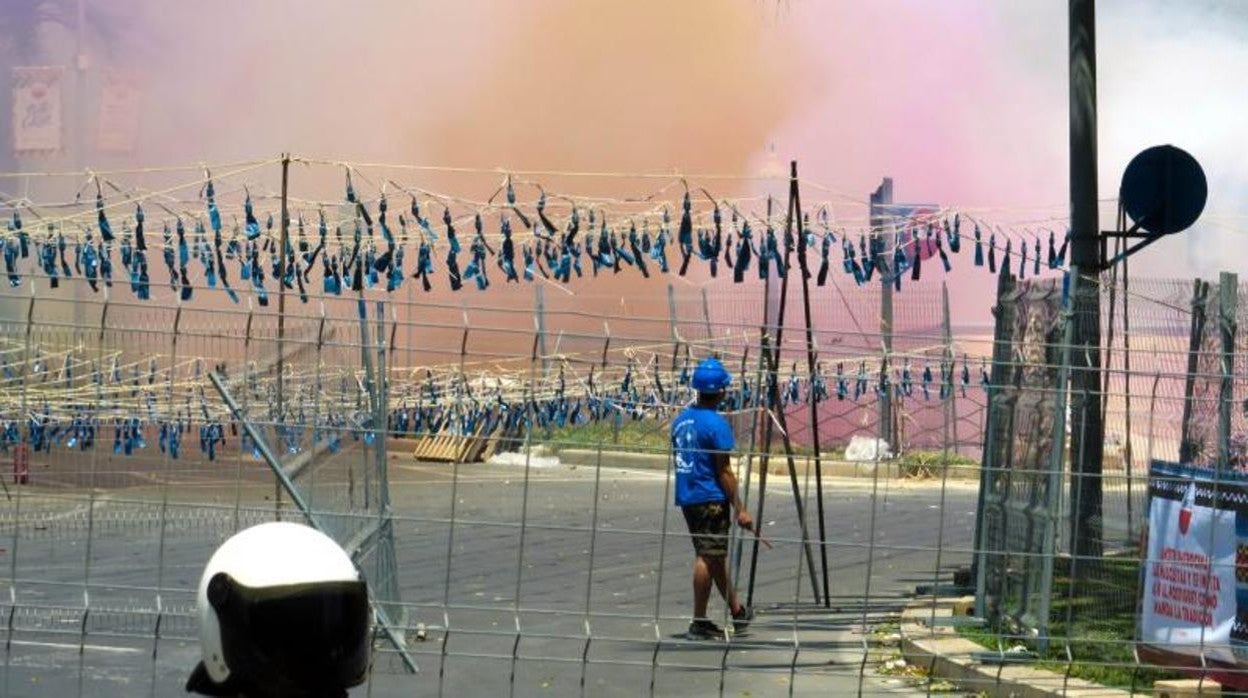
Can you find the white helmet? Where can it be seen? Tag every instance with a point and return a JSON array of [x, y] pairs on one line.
[[282, 612]]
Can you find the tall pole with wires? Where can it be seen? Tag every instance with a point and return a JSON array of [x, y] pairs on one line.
[[1087, 441], [881, 199], [79, 123]]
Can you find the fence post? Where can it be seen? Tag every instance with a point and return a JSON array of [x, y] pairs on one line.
[[95, 452], [22, 478], [671, 313], [385, 579], [1200, 294], [706, 319], [674, 328], [370, 382], [168, 466], [951, 405], [283, 245], [1128, 447], [317, 417], [246, 408], [745, 462], [1228, 295], [539, 312], [24, 444]]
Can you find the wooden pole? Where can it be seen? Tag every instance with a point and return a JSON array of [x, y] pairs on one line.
[[760, 426], [773, 404], [795, 192]]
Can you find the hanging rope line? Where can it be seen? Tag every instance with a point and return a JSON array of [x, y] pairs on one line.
[[521, 232]]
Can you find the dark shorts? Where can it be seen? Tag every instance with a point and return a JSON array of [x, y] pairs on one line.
[[709, 525]]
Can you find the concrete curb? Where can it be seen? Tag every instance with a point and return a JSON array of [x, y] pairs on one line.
[[946, 655], [775, 465]]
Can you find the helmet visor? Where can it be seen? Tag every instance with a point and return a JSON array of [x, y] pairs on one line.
[[299, 636]]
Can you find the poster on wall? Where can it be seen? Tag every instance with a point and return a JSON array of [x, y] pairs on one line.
[[1195, 592], [37, 110], [119, 112]]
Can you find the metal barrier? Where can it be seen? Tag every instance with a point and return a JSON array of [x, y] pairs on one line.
[[527, 575]]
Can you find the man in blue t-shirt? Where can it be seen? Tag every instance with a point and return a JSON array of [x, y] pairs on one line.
[[705, 486]]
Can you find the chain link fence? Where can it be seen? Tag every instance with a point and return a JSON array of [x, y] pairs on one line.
[[1167, 395], [561, 565], [131, 469]]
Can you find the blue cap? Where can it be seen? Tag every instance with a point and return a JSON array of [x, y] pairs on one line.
[[710, 377]]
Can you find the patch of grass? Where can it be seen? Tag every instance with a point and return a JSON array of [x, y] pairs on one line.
[[928, 464], [641, 436], [1092, 627], [651, 436]]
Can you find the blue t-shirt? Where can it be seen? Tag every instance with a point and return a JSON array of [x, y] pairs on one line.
[[697, 433]]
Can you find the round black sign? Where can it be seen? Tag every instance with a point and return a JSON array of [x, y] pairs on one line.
[[1163, 190]]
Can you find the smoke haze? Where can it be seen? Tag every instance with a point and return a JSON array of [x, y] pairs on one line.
[[605, 86], [964, 103]]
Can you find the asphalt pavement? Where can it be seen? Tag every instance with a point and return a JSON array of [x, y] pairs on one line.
[[528, 581]]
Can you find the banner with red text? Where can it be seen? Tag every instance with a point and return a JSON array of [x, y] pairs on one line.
[[1190, 602]]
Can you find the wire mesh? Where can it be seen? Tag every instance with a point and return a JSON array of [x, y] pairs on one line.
[[560, 564], [1167, 396], [513, 576]]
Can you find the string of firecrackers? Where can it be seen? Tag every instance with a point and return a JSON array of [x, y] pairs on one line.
[[564, 200], [105, 379], [59, 365], [613, 401], [549, 238], [319, 414]]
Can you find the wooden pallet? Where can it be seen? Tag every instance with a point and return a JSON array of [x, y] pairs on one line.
[[455, 448]]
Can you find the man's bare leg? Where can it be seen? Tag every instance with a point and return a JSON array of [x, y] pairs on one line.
[[701, 585], [718, 570]]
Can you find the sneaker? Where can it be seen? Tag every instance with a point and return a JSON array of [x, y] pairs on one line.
[[741, 619], [704, 630]]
